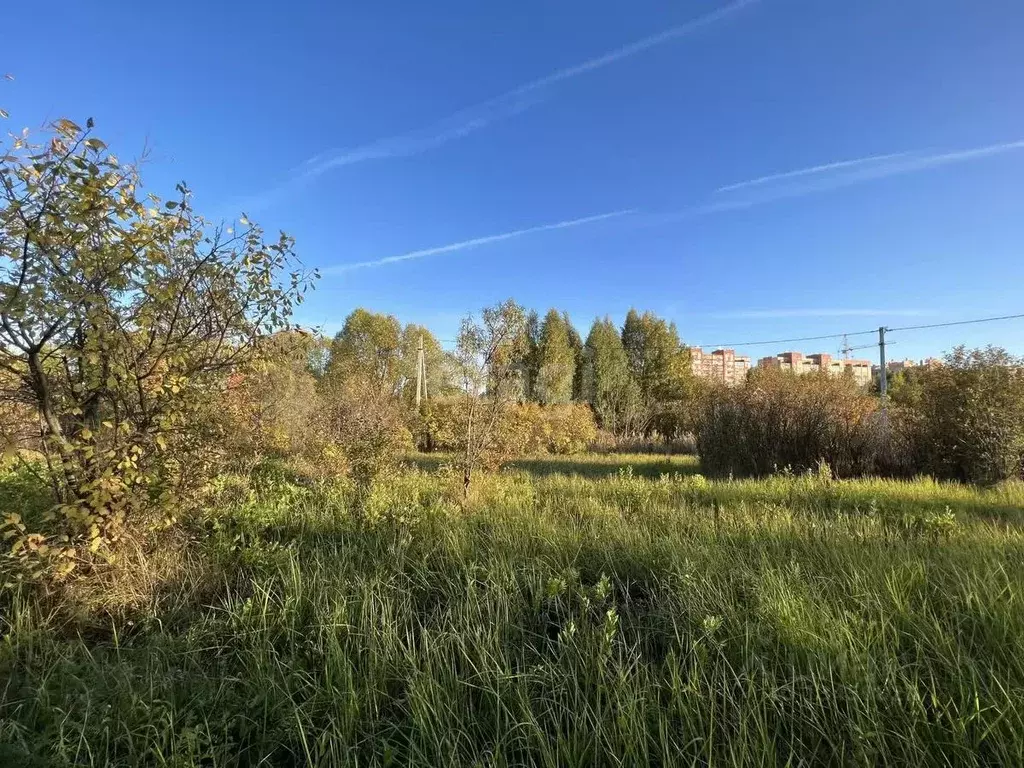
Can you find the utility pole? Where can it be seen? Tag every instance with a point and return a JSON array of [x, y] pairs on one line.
[[421, 374], [882, 379]]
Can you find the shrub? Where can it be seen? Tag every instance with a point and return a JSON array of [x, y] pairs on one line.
[[777, 420], [122, 317], [367, 426], [970, 416], [568, 429], [523, 429]]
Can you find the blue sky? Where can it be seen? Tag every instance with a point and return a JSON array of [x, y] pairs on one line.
[[752, 170]]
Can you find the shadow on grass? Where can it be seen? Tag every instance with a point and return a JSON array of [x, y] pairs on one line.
[[593, 466], [650, 467]]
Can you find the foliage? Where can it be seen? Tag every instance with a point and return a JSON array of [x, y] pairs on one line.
[[369, 347], [523, 429], [270, 403], [607, 383], [969, 415], [556, 361], [779, 421], [122, 316], [658, 361], [588, 610], [440, 378], [489, 354], [568, 429], [530, 356], [576, 344], [366, 424]]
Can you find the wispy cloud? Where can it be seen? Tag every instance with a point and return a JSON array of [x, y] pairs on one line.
[[475, 242], [766, 314], [835, 176], [815, 169], [505, 105]]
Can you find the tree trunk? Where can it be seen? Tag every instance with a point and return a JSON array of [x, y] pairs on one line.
[[44, 401]]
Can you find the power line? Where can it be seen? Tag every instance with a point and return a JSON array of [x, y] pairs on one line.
[[957, 322], [864, 333], [789, 341]]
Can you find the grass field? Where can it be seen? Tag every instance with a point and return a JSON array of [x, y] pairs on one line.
[[603, 610]]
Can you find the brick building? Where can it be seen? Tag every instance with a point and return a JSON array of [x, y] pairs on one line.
[[721, 365], [800, 364]]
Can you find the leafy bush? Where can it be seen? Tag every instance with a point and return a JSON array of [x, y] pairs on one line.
[[522, 429], [365, 424], [969, 416], [568, 429], [779, 421], [123, 314]]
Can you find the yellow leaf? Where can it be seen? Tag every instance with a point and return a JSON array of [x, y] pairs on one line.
[[86, 433]]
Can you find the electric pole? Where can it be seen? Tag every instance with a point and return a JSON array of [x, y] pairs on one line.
[[882, 379]]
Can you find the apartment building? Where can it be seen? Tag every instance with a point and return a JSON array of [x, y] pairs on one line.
[[800, 364], [721, 365]]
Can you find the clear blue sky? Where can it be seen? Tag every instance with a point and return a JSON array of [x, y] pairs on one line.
[[633, 144]]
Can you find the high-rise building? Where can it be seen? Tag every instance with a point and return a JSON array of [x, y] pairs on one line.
[[721, 365], [800, 364]]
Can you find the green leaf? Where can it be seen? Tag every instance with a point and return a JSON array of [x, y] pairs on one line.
[[95, 144]]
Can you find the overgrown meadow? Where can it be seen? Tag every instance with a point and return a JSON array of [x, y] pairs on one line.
[[599, 610]]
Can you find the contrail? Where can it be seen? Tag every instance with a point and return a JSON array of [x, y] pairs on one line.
[[477, 241], [827, 167], [512, 102], [854, 174]]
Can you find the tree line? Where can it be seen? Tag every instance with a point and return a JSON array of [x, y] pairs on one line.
[[636, 378]]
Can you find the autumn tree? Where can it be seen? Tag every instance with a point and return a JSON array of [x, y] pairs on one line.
[[556, 361], [121, 316], [368, 347], [489, 354], [607, 383]]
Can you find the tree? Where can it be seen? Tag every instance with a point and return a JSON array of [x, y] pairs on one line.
[[531, 355], [489, 355], [607, 382], [576, 343], [660, 365], [658, 361], [120, 318], [368, 347], [556, 361]]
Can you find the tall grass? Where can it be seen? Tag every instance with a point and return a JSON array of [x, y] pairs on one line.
[[563, 618]]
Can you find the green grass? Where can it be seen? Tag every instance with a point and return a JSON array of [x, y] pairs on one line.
[[572, 615], [593, 465]]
